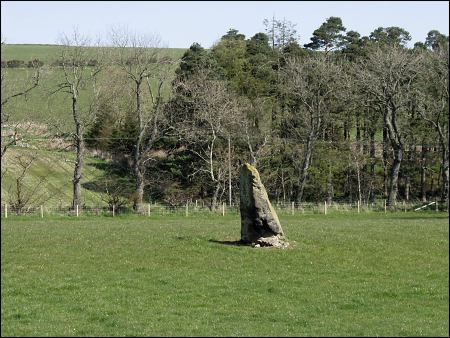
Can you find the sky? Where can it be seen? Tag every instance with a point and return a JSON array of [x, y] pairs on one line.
[[180, 23]]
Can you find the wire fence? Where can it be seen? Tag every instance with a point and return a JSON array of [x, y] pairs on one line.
[[194, 209], [47, 184]]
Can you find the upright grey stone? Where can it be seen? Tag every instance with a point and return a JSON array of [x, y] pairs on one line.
[[259, 221]]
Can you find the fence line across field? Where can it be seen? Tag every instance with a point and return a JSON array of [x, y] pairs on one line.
[[194, 208]]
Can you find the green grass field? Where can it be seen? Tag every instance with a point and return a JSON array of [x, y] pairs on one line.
[[41, 106], [49, 53], [343, 275]]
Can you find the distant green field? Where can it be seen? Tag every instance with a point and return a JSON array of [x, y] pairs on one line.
[[49, 53], [40, 105], [51, 109], [45, 53], [357, 275]]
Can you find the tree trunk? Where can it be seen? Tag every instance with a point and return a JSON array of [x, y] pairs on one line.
[[445, 175], [214, 198], [407, 187], [358, 176], [137, 153], [372, 151], [385, 161], [79, 147], [365, 142], [330, 190], [347, 184], [393, 186], [372, 179], [358, 132], [303, 175], [393, 131], [292, 191], [229, 171], [408, 171], [423, 173], [346, 132], [139, 184], [432, 192], [283, 186]]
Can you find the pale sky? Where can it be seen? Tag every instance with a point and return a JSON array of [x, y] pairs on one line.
[[180, 23]]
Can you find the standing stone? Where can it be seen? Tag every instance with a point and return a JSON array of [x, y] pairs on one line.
[[259, 221]]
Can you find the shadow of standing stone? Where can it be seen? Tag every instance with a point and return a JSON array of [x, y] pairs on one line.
[[260, 225]]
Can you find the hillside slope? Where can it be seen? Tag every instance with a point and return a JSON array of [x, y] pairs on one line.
[[48, 179]]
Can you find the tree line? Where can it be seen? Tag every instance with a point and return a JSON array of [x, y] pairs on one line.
[[344, 117]]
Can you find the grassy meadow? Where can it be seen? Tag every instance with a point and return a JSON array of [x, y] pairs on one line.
[[343, 275], [50, 53]]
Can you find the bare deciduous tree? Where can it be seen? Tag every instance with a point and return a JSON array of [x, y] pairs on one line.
[[434, 107], [114, 194], [10, 90], [387, 76], [258, 133], [215, 112], [24, 194], [79, 79], [313, 85], [146, 69]]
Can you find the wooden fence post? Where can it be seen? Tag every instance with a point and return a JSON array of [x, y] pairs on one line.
[[325, 207], [223, 209], [113, 210], [187, 209], [148, 212], [42, 212], [6, 210], [292, 207], [358, 206], [77, 210], [384, 206]]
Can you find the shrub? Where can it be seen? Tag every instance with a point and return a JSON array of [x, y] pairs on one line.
[[36, 63], [15, 63], [92, 63]]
